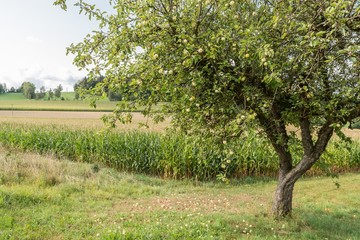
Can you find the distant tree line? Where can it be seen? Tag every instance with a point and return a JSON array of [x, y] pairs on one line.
[[4, 89], [28, 89]]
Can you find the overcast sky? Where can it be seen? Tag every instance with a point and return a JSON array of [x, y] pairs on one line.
[[33, 40]]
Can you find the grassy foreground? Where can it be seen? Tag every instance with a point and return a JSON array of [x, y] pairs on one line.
[[44, 198]]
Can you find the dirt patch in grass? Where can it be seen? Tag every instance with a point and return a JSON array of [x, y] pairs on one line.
[[194, 203]]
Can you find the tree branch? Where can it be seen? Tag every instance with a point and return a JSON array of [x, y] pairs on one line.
[[306, 137]]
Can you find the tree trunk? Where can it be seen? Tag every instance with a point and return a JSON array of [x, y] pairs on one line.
[[282, 206]]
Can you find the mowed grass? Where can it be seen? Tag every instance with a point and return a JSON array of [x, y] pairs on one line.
[[16, 101], [12, 97], [45, 198], [20, 97]]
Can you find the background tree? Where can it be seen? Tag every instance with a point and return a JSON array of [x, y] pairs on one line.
[[41, 94], [28, 89], [2, 89], [87, 84], [12, 90], [113, 96], [57, 91], [226, 64], [50, 94], [18, 90], [5, 88]]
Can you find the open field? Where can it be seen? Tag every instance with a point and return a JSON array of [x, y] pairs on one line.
[[20, 97], [12, 97], [16, 101], [41, 105], [77, 120], [45, 198], [42, 197], [85, 119]]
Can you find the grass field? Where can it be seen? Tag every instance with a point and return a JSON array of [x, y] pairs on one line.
[[16, 101], [20, 97], [44, 198], [12, 97]]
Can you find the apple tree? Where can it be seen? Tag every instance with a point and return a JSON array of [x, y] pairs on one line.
[[219, 65]]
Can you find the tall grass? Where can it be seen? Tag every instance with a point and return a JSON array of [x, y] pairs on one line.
[[168, 155]]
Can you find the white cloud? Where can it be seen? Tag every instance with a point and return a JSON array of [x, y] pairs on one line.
[[40, 76], [34, 40]]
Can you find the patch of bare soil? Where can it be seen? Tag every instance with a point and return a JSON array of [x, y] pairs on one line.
[[189, 203]]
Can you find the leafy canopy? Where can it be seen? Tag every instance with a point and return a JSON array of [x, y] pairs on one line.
[[219, 64]]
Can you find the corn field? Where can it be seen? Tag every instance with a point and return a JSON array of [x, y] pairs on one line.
[[169, 155]]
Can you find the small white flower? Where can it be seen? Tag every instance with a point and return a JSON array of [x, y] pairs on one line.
[[200, 50], [232, 3]]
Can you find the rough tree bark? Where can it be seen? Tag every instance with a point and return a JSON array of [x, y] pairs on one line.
[[282, 206]]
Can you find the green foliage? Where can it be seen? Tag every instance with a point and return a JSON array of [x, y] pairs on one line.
[[57, 91], [222, 66], [355, 124], [50, 93], [41, 94], [86, 84], [28, 89], [172, 155], [3, 88], [222, 62]]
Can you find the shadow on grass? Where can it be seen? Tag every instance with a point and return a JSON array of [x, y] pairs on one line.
[[327, 224]]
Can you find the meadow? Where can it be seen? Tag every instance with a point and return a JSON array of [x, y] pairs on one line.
[[71, 178], [17, 101], [42, 197]]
